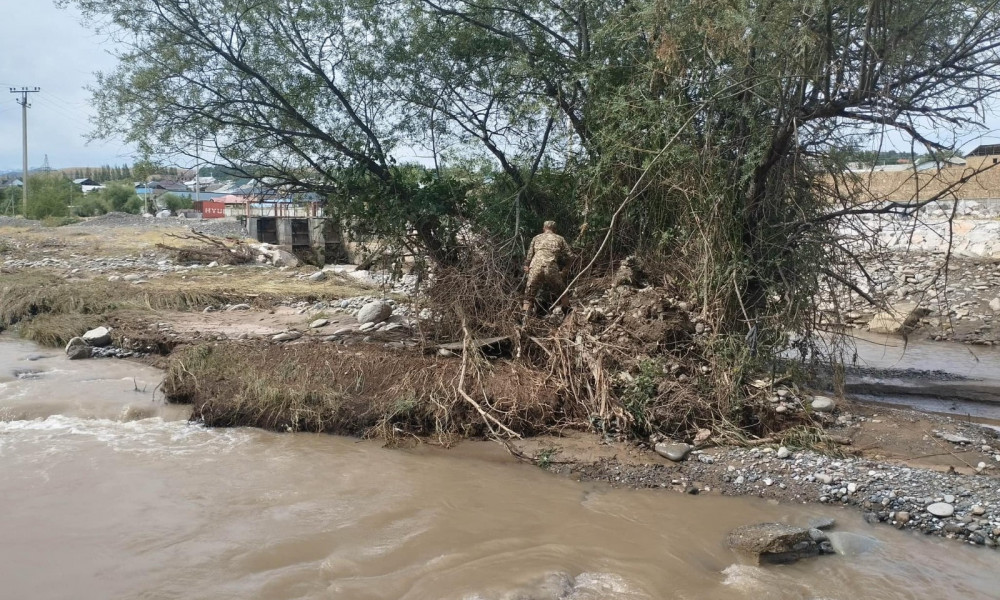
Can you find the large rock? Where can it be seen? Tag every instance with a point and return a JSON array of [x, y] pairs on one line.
[[374, 312], [773, 543], [941, 509], [77, 349], [674, 452], [823, 404], [284, 258], [99, 337], [901, 318]]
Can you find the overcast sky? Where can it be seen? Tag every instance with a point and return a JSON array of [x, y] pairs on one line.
[[51, 48]]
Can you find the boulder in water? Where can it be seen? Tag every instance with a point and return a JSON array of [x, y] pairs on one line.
[[99, 337], [77, 348], [773, 543]]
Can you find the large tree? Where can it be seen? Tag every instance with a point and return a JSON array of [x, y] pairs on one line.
[[708, 130]]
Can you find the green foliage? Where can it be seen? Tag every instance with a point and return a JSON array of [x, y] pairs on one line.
[[707, 136], [544, 458], [91, 205], [134, 205], [119, 197], [49, 195], [174, 203], [53, 221], [641, 393]]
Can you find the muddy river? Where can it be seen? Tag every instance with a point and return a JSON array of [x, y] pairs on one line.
[[106, 493]]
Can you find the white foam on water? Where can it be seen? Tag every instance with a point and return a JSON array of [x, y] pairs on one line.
[[767, 582], [562, 586], [595, 586], [743, 577], [146, 436]]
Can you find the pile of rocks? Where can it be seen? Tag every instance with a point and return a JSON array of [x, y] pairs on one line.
[[389, 282], [18, 222], [96, 343], [961, 302], [938, 503]]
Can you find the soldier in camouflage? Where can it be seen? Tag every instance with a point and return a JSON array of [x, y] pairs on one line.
[[547, 257]]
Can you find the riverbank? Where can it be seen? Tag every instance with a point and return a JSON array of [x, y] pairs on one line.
[[283, 348], [923, 473]]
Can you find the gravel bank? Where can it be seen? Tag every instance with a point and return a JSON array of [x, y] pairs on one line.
[[961, 507]]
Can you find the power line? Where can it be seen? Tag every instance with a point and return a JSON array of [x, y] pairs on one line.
[[23, 101]]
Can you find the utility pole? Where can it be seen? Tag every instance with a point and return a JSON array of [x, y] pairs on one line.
[[23, 101]]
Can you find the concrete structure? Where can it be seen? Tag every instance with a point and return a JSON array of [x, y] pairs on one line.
[[316, 236]]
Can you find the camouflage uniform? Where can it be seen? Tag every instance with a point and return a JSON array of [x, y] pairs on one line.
[[547, 255]]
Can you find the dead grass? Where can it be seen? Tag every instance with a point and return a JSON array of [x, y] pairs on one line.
[[372, 392], [58, 329], [91, 242], [61, 306]]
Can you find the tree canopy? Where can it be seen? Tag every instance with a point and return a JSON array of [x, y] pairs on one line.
[[699, 129]]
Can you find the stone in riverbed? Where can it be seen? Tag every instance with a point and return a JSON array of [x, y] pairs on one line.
[[99, 337], [899, 318], [374, 312], [77, 349], [954, 438], [941, 509], [674, 452], [773, 543], [318, 276], [821, 522], [286, 336], [319, 323], [784, 452], [823, 404]]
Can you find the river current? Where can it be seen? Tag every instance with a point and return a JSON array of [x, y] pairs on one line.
[[107, 493]]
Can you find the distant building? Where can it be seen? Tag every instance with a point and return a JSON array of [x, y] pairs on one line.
[[87, 185], [200, 182], [985, 150]]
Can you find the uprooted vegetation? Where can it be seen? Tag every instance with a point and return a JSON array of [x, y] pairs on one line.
[[200, 248], [373, 392], [629, 362]]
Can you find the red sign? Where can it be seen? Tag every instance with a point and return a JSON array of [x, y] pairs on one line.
[[213, 210]]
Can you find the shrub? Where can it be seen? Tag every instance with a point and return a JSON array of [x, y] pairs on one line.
[[174, 203], [49, 196]]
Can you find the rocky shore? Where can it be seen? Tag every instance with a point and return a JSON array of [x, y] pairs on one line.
[[960, 504]]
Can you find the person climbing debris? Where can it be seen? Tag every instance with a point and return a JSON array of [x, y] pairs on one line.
[[548, 256]]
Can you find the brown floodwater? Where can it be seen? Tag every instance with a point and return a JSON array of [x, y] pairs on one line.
[[106, 493]]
